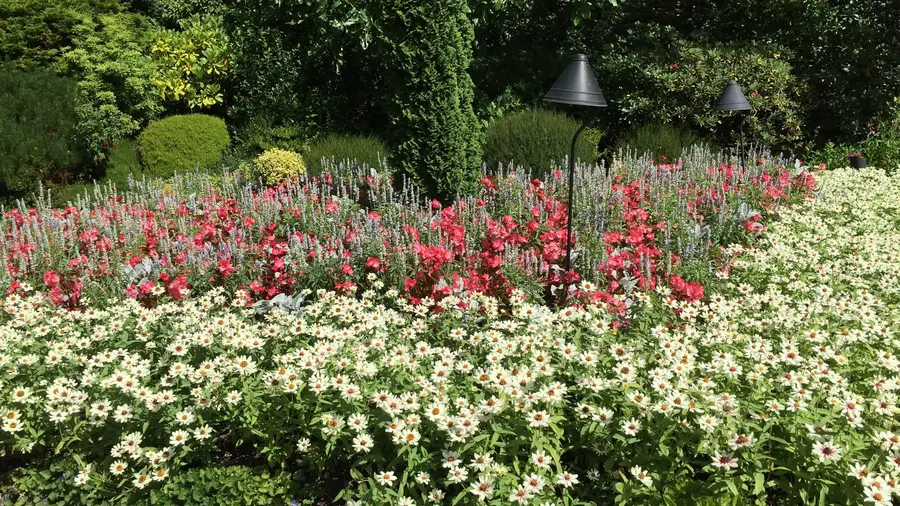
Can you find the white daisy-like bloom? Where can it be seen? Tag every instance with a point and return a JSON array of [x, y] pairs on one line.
[[724, 461], [118, 467], [631, 427], [363, 443], [827, 451], [541, 459], [483, 488], [567, 479], [386, 479], [641, 476]]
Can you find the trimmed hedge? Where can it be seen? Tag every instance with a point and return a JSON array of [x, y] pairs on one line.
[[537, 139], [183, 143]]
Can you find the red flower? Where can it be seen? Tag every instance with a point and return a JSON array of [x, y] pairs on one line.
[[225, 267], [51, 279]]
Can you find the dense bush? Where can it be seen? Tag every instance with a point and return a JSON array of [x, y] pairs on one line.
[[683, 83], [537, 139], [661, 141], [262, 133], [38, 139], [435, 136], [194, 62], [337, 148], [117, 97], [39, 32], [182, 144], [276, 165]]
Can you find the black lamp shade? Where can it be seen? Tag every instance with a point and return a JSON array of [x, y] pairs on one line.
[[733, 99], [577, 85]]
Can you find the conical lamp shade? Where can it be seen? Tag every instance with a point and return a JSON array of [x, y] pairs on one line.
[[577, 85], [733, 99]]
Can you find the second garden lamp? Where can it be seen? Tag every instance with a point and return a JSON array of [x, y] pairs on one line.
[[575, 86], [733, 99]]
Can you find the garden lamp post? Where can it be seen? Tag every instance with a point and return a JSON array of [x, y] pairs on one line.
[[575, 86], [733, 99]]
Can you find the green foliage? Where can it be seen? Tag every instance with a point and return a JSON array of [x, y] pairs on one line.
[[262, 133], [363, 150], [38, 32], [122, 163], [881, 147], [683, 86], [231, 486], [834, 156], [213, 486], [840, 49], [194, 62], [116, 92], [38, 140], [537, 139], [661, 140], [171, 12], [277, 165], [435, 135], [182, 143]]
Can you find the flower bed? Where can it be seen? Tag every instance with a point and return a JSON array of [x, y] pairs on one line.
[[779, 386], [636, 226]]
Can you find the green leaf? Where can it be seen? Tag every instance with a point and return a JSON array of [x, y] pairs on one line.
[[759, 485], [733, 488]]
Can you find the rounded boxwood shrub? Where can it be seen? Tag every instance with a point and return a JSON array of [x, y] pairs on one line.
[[183, 143], [275, 165], [537, 139], [337, 148]]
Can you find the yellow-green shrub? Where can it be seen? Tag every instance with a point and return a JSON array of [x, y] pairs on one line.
[[275, 165]]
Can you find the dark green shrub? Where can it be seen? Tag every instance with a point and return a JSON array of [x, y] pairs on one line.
[[337, 148], [37, 131], [658, 76], [262, 133], [661, 140], [537, 139], [182, 143], [435, 135]]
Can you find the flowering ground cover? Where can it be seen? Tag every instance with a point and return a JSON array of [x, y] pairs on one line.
[[777, 386]]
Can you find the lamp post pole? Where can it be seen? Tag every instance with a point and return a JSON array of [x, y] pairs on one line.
[[577, 85], [571, 200]]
